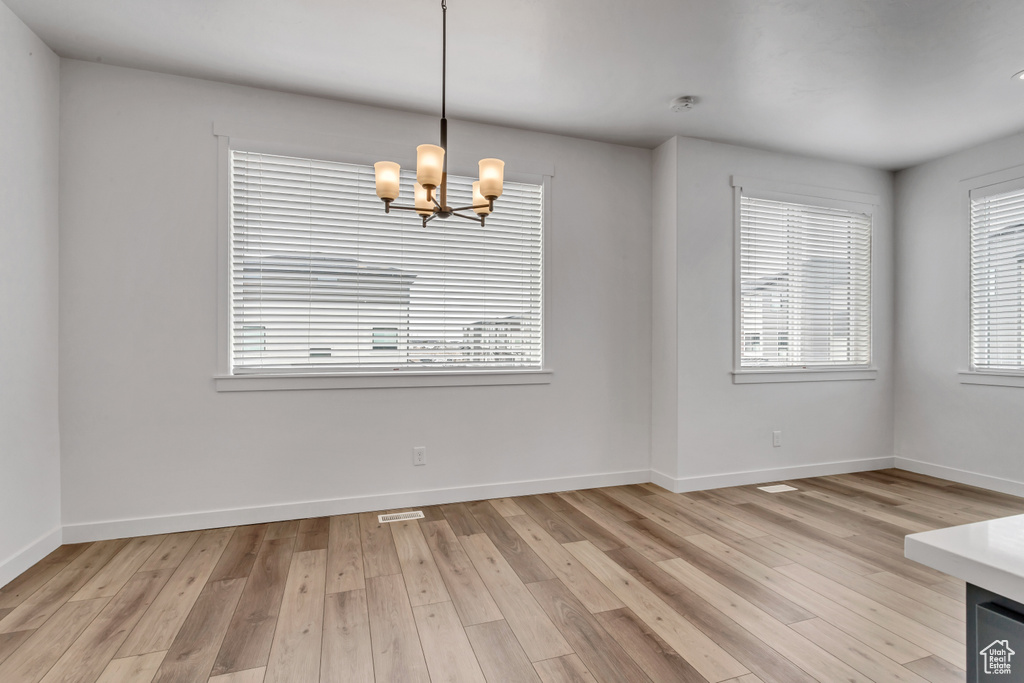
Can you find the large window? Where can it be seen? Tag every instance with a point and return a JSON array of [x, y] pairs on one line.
[[323, 281], [997, 278], [805, 285]]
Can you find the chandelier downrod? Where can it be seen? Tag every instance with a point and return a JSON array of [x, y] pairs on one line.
[[442, 206], [444, 55], [431, 190]]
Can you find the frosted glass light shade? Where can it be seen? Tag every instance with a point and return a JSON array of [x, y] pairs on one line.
[[386, 174], [492, 175], [480, 204], [429, 165], [424, 207]]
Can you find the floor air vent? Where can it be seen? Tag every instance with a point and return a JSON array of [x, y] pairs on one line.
[[400, 516], [777, 488]]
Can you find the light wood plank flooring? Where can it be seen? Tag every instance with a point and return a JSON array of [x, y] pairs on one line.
[[627, 583]]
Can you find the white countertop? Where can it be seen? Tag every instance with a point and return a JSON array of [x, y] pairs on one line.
[[988, 554]]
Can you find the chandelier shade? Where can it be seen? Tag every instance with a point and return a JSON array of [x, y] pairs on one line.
[[387, 175], [480, 204], [429, 165], [421, 201], [492, 175], [430, 198]]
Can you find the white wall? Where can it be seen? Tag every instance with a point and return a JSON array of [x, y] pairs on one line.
[[145, 435], [29, 436], [968, 433], [724, 429]]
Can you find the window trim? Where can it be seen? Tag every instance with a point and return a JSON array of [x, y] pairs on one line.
[[379, 380], [804, 194], [357, 151], [989, 183]]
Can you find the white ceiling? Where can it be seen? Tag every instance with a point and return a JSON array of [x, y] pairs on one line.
[[888, 83]]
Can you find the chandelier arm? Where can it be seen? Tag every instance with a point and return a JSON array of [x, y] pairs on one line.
[[455, 212], [403, 208], [475, 206]]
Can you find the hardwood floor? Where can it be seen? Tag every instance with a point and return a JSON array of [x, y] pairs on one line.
[[627, 583]]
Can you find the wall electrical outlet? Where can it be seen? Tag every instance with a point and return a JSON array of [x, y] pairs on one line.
[[419, 455], [777, 438]]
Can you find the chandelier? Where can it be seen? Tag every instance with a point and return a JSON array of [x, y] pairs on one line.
[[431, 189]]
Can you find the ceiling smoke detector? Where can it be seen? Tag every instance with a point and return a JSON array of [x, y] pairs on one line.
[[684, 103]]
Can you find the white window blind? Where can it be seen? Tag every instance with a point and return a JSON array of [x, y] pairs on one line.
[[997, 280], [805, 285], [324, 281]]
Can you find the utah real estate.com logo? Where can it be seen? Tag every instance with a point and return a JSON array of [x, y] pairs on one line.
[[997, 657]]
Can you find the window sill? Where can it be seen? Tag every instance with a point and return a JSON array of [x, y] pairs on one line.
[[376, 380], [797, 375], [994, 379]]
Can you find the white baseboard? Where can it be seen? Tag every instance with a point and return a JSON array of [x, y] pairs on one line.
[[663, 480], [98, 531], [17, 563], [985, 481], [147, 526], [717, 481]]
